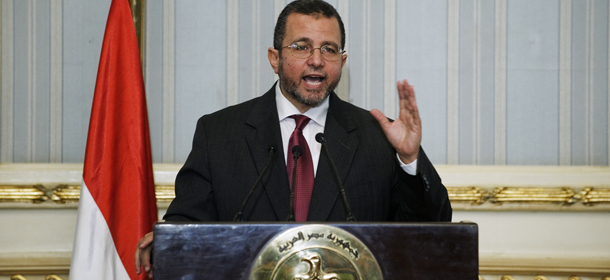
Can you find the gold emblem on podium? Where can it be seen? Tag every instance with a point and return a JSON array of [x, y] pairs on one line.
[[315, 252], [315, 272]]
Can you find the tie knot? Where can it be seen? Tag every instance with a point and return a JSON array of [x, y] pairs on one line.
[[301, 121]]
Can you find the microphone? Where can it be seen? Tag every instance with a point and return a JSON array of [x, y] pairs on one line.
[[297, 151], [348, 211], [239, 216]]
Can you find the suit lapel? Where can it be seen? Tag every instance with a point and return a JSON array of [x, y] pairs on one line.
[[266, 133], [342, 145]]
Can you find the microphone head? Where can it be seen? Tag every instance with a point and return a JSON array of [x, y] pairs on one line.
[[297, 151], [271, 150], [321, 138]]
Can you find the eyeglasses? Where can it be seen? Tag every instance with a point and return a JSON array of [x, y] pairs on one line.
[[303, 50]]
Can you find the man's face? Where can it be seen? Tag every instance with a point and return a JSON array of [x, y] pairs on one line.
[[308, 82]]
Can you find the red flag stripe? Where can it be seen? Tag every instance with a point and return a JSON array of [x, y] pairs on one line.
[[118, 164]]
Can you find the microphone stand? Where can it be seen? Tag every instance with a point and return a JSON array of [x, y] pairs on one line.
[[239, 216], [346, 208]]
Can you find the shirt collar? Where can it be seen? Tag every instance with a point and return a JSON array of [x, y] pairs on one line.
[[286, 109]]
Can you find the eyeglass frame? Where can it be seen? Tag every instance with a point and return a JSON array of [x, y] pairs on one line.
[[293, 44]]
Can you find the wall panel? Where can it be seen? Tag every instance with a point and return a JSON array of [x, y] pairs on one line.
[[532, 82], [84, 23], [201, 66], [498, 82], [421, 57]]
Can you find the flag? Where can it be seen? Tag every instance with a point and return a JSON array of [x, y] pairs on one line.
[[117, 203]]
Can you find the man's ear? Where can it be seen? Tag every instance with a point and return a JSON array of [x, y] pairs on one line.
[[274, 59], [343, 59]]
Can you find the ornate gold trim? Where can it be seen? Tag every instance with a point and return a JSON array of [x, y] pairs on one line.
[[537, 277], [53, 263], [165, 193], [65, 193], [561, 195], [48, 277], [472, 195], [590, 196], [503, 277], [32, 193], [563, 198]]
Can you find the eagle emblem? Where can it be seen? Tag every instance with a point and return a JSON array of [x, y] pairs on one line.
[[315, 270]]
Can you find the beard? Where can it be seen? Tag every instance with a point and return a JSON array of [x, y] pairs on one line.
[[314, 99]]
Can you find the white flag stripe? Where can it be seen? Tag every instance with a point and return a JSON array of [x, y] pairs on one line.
[[94, 251]]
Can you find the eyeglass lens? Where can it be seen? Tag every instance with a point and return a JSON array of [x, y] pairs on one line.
[[328, 52]]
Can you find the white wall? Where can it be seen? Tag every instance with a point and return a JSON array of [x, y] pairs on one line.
[[498, 82]]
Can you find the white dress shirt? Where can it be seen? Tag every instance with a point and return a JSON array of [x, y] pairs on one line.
[[285, 109]]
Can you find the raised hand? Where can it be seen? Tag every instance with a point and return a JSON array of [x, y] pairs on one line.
[[404, 133]]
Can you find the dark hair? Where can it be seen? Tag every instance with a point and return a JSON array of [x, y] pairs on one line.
[[304, 7]]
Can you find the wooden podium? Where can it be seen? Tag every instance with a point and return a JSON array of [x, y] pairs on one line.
[[310, 250]]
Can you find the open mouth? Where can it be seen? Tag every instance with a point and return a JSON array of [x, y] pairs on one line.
[[313, 80]]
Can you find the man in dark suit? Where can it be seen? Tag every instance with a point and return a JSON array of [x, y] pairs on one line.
[[386, 174]]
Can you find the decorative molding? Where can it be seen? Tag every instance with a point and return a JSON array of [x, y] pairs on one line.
[[29, 264], [7, 78], [522, 265], [53, 264], [165, 194], [562, 195], [64, 193], [471, 195], [470, 188], [500, 82], [169, 75], [539, 277], [389, 58], [565, 83], [31, 92], [462, 198], [48, 277], [453, 81], [366, 53], [55, 141], [32, 194], [589, 152], [590, 196], [256, 48], [232, 52], [476, 81], [504, 277]]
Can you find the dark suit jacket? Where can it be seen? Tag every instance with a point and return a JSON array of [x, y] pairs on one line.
[[230, 150]]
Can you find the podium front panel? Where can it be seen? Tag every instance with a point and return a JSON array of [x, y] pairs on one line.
[[234, 250]]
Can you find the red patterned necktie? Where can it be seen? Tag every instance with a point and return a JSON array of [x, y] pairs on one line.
[[304, 176]]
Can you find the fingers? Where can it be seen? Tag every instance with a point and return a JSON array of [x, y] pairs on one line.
[[407, 101], [146, 240], [406, 95], [142, 256], [137, 261], [146, 261]]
